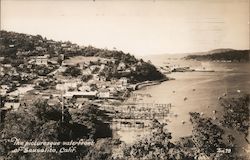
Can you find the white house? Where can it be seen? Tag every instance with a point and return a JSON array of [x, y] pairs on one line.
[[40, 60], [38, 48], [121, 66], [1, 70], [4, 89], [1, 59], [86, 71], [123, 81], [81, 94], [66, 86], [84, 88], [11, 105], [104, 93]]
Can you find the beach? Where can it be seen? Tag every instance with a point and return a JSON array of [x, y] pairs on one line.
[[192, 92]]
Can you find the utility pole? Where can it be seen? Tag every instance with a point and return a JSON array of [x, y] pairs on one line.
[[62, 107], [0, 109], [0, 115], [1, 99]]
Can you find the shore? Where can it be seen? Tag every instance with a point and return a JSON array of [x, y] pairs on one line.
[[150, 83]]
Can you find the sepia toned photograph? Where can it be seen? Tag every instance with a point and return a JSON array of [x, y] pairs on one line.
[[124, 79]]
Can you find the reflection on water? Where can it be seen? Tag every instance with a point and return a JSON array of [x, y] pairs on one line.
[[193, 92]]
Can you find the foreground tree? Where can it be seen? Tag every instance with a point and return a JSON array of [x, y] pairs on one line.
[[156, 146], [42, 123]]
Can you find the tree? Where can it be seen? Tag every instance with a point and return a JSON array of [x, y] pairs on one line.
[[208, 136], [86, 78], [41, 122], [155, 146], [72, 71]]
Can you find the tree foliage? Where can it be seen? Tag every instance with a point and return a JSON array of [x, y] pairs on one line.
[[156, 146], [41, 122], [72, 71]]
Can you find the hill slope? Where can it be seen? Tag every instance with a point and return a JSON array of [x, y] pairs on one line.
[[223, 55], [15, 48]]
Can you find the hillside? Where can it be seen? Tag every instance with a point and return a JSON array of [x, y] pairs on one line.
[[229, 55], [17, 48]]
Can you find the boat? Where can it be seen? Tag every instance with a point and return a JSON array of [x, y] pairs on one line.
[[203, 70]]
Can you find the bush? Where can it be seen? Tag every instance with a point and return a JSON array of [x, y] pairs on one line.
[[72, 71]]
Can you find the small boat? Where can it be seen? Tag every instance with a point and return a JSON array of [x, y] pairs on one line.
[[198, 70]]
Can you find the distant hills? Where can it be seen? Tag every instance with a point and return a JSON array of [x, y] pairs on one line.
[[227, 54]]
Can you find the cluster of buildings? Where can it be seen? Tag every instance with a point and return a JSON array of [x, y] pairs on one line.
[[54, 86], [38, 73]]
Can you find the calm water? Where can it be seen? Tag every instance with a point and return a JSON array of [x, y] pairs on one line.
[[201, 89]]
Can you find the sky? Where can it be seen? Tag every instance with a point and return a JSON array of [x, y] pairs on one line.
[[140, 27]]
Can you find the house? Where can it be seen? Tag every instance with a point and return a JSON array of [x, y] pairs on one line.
[[23, 53], [53, 101], [139, 63], [133, 68], [41, 49], [61, 56], [1, 70], [53, 62], [112, 89], [11, 105], [67, 64], [3, 89], [86, 71], [7, 65], [121, 88], [84, 88], [125, 72], [112, 60], [102, 78], [102, 67], [104, 93], [96, 77], [123, 81], [81, 94], [93, 67], [51, 42], [104, 61], [64, 45], [61, 69], [80, 102], [66, 86], [40, 60], [121, 66]]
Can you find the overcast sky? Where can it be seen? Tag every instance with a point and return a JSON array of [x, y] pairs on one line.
[[139, 27]]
